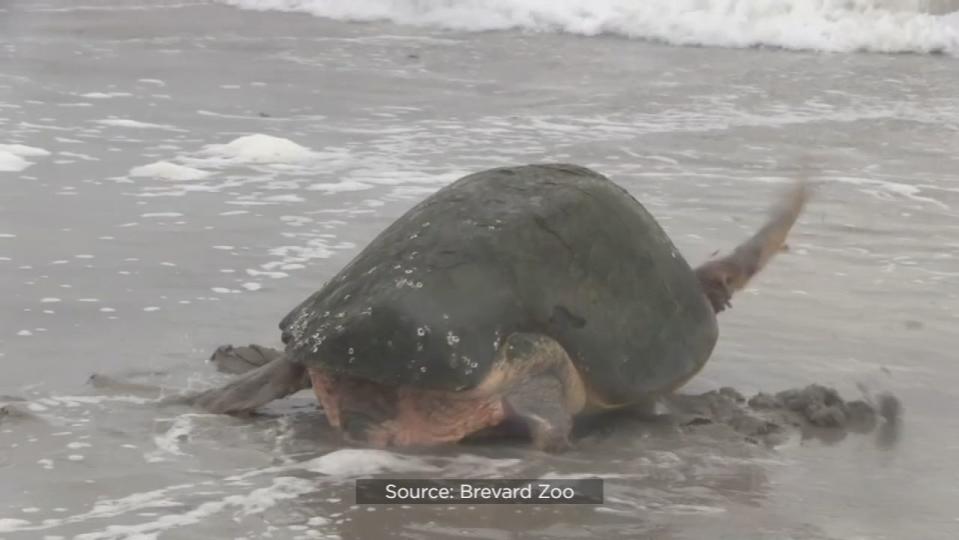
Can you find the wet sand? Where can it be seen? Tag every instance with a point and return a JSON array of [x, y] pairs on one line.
[[112, 264]]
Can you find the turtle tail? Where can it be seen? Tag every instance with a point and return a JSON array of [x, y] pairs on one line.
[[722, 276]]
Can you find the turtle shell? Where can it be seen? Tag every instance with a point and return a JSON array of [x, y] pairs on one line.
[[555, 249]]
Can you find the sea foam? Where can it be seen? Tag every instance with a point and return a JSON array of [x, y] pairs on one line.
[[917, 26], [12, 156], [260, 148], [169, 171]]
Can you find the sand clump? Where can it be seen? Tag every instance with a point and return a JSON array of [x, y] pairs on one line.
[[814, 410]]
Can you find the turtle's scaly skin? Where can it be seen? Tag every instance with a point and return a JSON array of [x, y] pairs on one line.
[[557, 250]]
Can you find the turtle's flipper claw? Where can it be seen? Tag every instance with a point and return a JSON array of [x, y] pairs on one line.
[[221, 350], [238, 360]]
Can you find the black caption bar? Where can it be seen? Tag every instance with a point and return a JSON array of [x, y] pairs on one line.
[[479, 491]]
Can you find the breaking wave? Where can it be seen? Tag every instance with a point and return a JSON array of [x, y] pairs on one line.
[[916, 26]]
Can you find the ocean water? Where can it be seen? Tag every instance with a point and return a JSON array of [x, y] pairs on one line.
[[175, 175]]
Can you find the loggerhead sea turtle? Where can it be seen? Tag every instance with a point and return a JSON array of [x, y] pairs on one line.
[[535, 292]]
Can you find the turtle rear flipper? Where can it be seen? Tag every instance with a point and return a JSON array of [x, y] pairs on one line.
[[256, 388], [721, 277], [538, 403], [544, 389]]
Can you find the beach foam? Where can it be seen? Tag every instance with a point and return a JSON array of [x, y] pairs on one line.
[[350, 462], [169, 171], [135, 124], [826, 25], [12, 156], [260, 148], [10, 162]]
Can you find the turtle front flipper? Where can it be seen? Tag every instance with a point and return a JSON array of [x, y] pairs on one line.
[[277, 379], [237, 360], [721, 277], [543, 388]]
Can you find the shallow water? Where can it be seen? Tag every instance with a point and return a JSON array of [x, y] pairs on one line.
[[113, 263]]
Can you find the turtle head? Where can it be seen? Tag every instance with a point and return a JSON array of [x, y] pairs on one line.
[[724, 275]]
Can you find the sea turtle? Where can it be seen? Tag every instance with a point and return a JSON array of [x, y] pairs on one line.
[[536, 292]]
